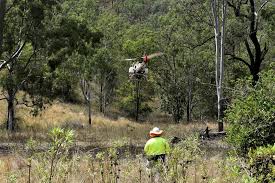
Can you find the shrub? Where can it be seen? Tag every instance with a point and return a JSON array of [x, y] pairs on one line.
[[251, 115], [262, 163], [56, 158]]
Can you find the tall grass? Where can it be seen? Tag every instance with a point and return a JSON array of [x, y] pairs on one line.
[[107, 151], [187, 163]]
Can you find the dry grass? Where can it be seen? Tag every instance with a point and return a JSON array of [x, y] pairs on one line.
[[75, 116], [84, 168], [103, 133]]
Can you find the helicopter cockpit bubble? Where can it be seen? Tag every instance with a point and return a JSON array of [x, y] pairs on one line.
[[131, 70]]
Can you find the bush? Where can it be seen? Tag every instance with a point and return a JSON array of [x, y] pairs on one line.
[[262, 163], [251, 115]]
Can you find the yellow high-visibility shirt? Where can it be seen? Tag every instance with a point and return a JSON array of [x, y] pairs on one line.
[[156, 146]]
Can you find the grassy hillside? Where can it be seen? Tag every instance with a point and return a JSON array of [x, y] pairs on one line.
[[75, 117]]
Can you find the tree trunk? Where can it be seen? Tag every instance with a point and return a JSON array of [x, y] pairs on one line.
[[219, 42], [224, 7], [188, 115], [104, 103], [189, 102], [256, 54], [11, 113], [90, 112], [259, 53], [2, 15], [101, 97], [137, 99], [86, 91], [189, 97]]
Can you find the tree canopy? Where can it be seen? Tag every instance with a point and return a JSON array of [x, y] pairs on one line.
[[47, 47]]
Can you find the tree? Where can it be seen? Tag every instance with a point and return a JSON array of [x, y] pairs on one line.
[[107, 57], [247, 13], [184, 38], [219, 27], [21, 37], [31, 16], [43, 43]]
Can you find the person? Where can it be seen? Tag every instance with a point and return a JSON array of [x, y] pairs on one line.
[[156, 149]]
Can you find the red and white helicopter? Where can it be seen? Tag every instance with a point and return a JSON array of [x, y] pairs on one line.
[[139, 69]]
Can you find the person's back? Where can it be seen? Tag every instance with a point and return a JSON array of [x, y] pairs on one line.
[[156, 146], [155, 150]]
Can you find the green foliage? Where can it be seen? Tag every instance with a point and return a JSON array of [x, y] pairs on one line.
[[180, 157], [233, 169], [262, 163], [12, 178], [56, 156], [127, 99], [251, 115]]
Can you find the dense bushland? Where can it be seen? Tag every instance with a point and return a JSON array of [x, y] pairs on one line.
[[251, 116]]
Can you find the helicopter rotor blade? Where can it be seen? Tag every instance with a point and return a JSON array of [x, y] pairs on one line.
[[130, 59], [154, 55]]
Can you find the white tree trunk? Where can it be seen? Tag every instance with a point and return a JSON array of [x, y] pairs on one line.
[[219, 42]]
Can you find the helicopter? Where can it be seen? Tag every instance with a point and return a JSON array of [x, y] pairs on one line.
[[139, 70]]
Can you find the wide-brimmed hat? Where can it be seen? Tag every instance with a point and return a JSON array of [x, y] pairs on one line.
[[155, 132]]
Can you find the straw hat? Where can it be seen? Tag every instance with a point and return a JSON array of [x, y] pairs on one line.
[[155, 132]]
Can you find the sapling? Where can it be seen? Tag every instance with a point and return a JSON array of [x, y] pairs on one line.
[[30, 147], [61, 141]]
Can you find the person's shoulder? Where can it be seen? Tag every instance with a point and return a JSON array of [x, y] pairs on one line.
[[150, 140], [163, 139]]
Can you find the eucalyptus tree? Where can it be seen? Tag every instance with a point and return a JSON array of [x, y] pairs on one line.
[[252, 35], [38, 38], [22, 38], [219, 28]]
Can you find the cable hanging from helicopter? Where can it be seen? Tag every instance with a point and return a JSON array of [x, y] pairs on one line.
[[139, 69]]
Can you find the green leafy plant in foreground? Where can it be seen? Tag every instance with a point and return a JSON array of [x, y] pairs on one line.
[[262, 163], [251, 116], [56, 155]]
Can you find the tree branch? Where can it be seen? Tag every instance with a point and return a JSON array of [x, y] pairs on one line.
[[251, 56], [3, 98], [29, 60], [258, 12], [86, 90], [202, 43], [233, 57], [264, 52], [252, 17], [237, 10], [12, 5], [262, 6], [14, 56]]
